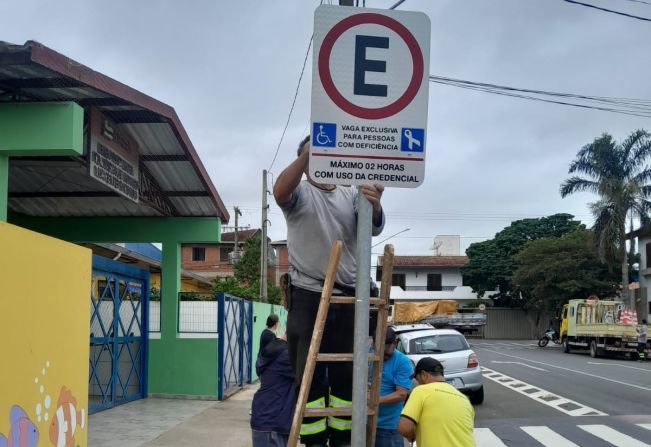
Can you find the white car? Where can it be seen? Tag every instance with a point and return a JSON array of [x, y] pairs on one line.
[[449, 347], [411, 327]]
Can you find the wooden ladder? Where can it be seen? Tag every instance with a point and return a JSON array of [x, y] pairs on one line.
[[314, 355]]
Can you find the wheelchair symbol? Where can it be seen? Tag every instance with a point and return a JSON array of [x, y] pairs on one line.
[[322, 138], [324, 134]]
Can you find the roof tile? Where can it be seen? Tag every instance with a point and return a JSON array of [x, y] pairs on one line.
[[426, 261]]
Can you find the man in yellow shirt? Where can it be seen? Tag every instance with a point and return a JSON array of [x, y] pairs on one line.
[[436, 414]]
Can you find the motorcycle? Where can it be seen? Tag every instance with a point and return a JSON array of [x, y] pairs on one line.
[[550, 334]]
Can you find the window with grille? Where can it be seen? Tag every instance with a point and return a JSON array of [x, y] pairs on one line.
[[198, 253], [224, 252], [398, 279], [434, 282]]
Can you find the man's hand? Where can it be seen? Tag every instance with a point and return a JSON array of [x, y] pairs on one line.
[[373, 194]]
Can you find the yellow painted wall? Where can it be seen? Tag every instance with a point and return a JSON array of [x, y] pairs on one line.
[[186, 285], [44, 336], [154, 280]]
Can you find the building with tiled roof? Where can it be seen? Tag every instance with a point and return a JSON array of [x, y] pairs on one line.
[[423, 278], [217, 261]]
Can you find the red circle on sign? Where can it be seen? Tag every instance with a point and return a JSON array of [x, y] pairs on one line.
[[329, 85]]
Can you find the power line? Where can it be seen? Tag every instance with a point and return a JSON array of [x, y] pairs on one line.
[[588, 5], [289, 117], [626, 106], [462, 218], [393, 235], [638, 1], [400, 2], [463, 213], [446, 214], [298, 86]]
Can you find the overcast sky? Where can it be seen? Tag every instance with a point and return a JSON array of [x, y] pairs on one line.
[[230, 69]]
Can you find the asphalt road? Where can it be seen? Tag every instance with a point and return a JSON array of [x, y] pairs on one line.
[[542, 396], [615, 386]]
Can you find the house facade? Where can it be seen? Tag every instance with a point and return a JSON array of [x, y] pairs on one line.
[[214, 261], [281, 265], [436, 277], [425, 278], [642, 298]]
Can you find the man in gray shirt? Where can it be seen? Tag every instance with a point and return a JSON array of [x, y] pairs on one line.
[[317, 215]]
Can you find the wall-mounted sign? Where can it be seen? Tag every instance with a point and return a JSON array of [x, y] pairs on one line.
[[113, 156]]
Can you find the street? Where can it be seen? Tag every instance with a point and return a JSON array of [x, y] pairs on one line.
[[542, 396]]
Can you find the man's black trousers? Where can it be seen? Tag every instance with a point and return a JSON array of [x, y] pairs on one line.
[[333, 381]]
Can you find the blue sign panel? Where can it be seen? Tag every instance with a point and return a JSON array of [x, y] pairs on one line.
[[324, 134], [412, 140]]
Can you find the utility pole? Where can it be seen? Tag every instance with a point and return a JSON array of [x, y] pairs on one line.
[[263, 241], [237, 228]]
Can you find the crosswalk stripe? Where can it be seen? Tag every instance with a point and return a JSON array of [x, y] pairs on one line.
[[540, 395], [484, 437], [647, 426], [547, 437], [613, 436]]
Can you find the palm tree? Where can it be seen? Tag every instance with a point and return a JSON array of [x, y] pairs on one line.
[[620, 175]]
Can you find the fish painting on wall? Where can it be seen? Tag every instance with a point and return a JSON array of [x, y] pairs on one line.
[[23, 432], [66, 419]]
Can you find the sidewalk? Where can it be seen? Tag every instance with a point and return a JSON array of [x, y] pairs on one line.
[[175, 422]]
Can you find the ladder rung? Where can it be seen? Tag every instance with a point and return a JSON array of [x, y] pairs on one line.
[[320, 412], [351, 300], [321, 357]]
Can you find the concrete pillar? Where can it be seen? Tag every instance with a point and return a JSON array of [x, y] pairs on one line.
[[4, 186], [170, 286]]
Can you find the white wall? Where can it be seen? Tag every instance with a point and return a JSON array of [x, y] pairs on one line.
[[450, 276], [459, 294]]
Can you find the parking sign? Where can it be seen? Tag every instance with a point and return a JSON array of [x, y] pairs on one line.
[[369, 96]]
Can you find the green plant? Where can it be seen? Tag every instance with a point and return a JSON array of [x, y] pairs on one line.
[[154, 294]]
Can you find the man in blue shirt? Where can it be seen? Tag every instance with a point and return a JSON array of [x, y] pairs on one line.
[[396, 384]]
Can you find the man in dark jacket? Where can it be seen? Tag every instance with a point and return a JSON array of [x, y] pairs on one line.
[[273, 403], [269, 333]]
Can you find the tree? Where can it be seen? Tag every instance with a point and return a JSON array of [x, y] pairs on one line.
[[620, 175], [552, 271], [246, 281], [491, 263], [247, 268]]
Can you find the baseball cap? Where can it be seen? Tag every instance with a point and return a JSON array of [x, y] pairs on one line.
[[428, 364], [390, 336]]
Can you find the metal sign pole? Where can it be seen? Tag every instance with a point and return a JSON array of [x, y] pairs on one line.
[[361, 346]]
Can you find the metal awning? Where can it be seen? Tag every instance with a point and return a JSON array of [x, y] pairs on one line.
[[173, 180]]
